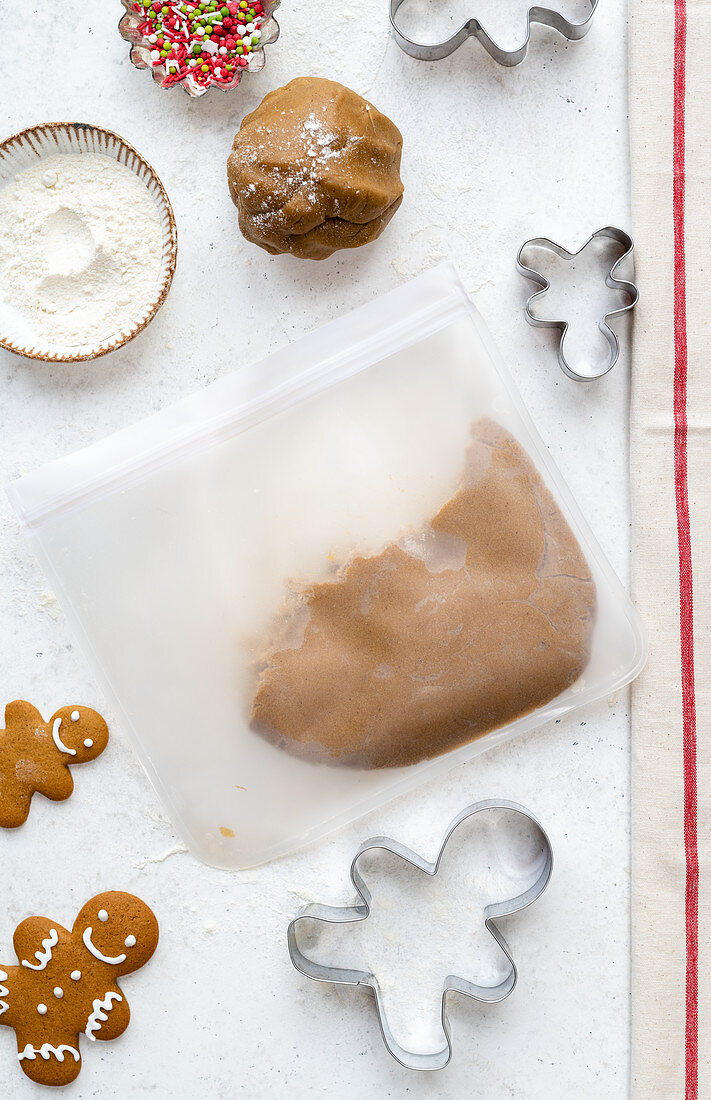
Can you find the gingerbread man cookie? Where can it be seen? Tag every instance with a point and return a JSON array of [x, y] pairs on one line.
[[35, 755], [66, 982]]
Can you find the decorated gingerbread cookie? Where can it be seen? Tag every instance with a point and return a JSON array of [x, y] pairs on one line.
[[66, 982], [35, 755]]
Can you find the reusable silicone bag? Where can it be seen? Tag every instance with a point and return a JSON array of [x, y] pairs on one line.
[[175, 544]]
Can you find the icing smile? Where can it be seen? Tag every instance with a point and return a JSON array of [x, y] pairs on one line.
[[113, 960], [58, 740]]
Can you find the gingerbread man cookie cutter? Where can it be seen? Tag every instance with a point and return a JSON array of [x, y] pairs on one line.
[[487, 994], [66, 982], [35, 755], [608, 232], [473, 28]]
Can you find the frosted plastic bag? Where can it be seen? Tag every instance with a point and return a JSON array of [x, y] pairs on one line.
[[307, 587]]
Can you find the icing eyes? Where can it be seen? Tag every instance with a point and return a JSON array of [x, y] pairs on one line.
[[59, 993], [75, 975], [88, 743], [42, 1009], [103, 915], [74, 716], [130, 941]]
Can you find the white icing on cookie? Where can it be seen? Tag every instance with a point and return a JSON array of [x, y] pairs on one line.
[[74, 716], [98, 1016], [88, 743], [4, 992], [130, 941], [103, 915], [45, 954], [44, 1051], [75, 975], [97, 954], [42, 1009], [58, 740], [58, 992]]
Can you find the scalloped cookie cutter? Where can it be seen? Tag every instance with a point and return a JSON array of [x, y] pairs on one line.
[[437, 51], [609, 232], [490, 994]]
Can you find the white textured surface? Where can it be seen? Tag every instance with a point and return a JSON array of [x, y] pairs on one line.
[[491, 157]]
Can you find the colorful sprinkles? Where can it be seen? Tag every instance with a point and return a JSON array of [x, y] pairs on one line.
[[205, 40]]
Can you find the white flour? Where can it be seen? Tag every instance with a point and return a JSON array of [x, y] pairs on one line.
[[80, 251]]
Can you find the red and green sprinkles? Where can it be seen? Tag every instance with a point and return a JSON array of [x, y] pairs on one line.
[[202, 39]]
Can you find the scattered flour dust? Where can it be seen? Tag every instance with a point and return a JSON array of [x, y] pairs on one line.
[[80, 251]]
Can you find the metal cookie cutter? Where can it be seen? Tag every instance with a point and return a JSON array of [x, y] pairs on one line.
[[489, 994], [629, 288], [436, 51]]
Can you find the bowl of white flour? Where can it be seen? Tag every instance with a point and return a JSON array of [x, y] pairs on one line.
[[88, 242]]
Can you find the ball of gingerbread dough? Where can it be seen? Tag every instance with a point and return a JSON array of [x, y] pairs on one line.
[[314, 169]]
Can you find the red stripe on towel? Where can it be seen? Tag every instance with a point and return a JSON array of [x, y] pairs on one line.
[[686, 585]]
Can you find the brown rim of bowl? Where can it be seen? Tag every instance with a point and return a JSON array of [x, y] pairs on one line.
[[123, 339]]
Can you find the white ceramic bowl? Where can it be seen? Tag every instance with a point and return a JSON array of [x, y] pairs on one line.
[[22, 151]]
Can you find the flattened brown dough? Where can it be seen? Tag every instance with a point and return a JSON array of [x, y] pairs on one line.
[[403, 659]]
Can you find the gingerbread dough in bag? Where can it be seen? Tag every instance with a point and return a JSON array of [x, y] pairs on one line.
[[481, 617]]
